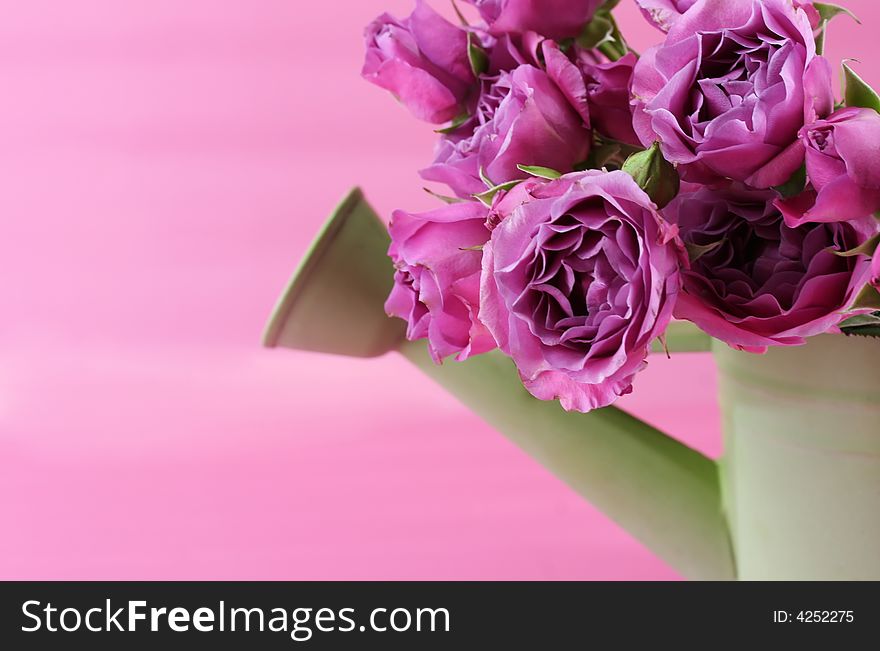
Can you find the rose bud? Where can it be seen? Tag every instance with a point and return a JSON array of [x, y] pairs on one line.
[[423, 60], [437, 282], [728, 91], [755, 282], [842, 168], [557, 19], [578, 280], [654, 174]]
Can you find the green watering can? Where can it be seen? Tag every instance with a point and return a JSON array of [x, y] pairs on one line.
[[796, 495]]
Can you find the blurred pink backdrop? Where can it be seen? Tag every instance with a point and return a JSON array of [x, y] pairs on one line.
[[163, 165]]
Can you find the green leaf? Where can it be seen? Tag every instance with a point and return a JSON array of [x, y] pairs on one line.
[[455, 124], [487, 197], [443, 197], [829, 11], [863, 325], [540, 172], [795, 185], [867, 248], [857, 92], [868, 298], [477, 56], [697, 251]]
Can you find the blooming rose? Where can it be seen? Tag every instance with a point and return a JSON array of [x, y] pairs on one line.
[[526, 116], [842, 168], [728, 91], [557, 19], [755, 281], [663, 13], [437, 282], [578, 280], [423, 60], [608, 95]]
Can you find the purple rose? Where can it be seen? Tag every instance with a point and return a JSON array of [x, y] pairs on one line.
[[423, 61], [578, 280], [608, 95], [756, 282], [557, 19], [729, 90], [437, 282], [842, 168], [663, 13], [524, 117]]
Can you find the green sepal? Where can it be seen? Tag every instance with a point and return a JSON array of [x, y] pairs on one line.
[[862, 325], [868, 248], [540, 172], [795, 185], [857, 92], [829, 11], [443, 197], [868, 298], [455, 124], [477, 56], [487, 197], [697, 251]]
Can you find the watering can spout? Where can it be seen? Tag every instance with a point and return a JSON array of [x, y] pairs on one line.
[[334, 302], [664, 493]]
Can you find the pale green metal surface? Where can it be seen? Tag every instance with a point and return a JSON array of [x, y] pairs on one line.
[[801, 471], [335, 301]]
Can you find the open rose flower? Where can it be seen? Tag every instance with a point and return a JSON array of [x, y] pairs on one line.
[[423, 61], [842, 168], [437, 282], [663, 13], [728, 91], [756, 282], [527, 116], [557, 19], [578, 280]]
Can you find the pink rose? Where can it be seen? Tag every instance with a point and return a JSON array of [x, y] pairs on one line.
[[526, 116], [423, 61], [557, 19], [842, 152], [728, 91], [437, 282], [757, 282], [578, 280]]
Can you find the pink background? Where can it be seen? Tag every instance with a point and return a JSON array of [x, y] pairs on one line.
[[163, 165]]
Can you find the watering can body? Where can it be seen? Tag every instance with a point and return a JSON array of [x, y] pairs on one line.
[[795, 497]]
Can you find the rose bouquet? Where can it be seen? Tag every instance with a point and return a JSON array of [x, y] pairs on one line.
[[711, 193], [596, 194]]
